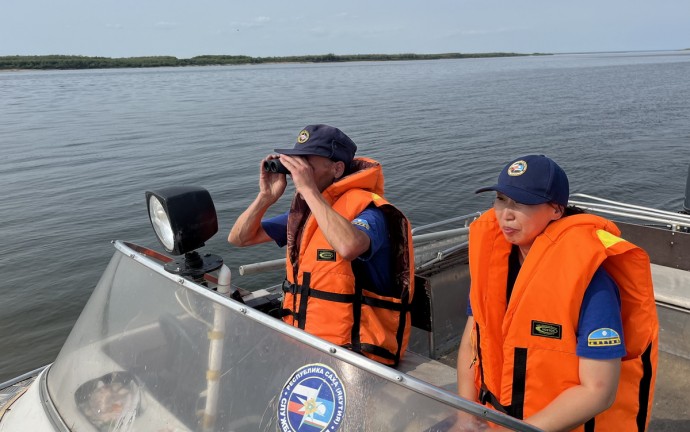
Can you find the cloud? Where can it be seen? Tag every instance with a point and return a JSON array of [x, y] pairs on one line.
[[490, 31], [256, 22], [165, 25], [321, 31], [115, 26]]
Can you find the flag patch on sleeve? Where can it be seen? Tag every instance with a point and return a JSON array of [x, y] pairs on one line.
[[603, 337], [361, 222]]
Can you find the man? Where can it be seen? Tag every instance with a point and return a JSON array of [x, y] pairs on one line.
[[562, 331], [349, 267]]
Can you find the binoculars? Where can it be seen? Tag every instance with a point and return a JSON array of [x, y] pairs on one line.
[[275, 166]]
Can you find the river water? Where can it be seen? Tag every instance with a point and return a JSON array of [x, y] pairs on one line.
[[80, 148]]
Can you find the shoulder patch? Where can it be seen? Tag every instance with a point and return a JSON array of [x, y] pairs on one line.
[[361, 222], [603, 337]]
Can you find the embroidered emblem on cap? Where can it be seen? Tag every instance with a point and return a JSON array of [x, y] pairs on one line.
[[603, 337], [517, 168], [303, 136]]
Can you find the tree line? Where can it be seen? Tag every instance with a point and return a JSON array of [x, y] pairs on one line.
[[84, 62]]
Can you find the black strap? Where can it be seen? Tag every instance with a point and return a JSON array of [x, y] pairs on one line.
[[334, 297], [283, 312], [303, 300], [378, 351], [513, 271], [645, 386], [356, 319], [589, 425], [288, 287], [385, 304], [519, 375], [402, 323], [479, 357], [372, 349], [486, 396], [516, 408]]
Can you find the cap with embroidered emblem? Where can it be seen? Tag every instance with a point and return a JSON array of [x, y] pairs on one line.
[[532, 179], [323, 140]]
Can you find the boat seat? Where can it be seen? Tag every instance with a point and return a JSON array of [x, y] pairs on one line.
[[428, 370], [671, 285]]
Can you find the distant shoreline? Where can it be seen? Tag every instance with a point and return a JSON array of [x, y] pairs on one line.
[[62, 62]]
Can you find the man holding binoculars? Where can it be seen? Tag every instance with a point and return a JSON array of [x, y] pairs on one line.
[[349, 267]]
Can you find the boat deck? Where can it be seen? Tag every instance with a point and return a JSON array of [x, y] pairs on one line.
[[671, 400]]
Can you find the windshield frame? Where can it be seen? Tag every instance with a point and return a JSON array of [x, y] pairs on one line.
[[145, 257]]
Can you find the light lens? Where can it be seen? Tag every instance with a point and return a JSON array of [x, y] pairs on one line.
[[161, 223]]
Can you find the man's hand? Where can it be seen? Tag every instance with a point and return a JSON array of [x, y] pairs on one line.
[[271, 185], [301, 172], [247, 229]]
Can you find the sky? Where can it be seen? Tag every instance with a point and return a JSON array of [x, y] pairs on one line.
[[263, 28]]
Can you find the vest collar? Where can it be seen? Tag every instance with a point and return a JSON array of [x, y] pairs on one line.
[[555, 229], [366, 174]]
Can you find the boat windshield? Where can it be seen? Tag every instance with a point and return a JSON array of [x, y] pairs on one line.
[[153, 352]]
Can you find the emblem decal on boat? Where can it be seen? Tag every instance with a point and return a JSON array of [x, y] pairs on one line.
[[517, 168], [547, 330], [313, 399], [603, 337], [325, 255], [303, 137]]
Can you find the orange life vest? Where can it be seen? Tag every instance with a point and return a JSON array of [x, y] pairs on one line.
[[325, 297], [526, 348]]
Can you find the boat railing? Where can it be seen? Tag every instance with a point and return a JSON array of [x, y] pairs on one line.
[[421, 238], [22, 377], [442, 255], [262, 267], [464, 218], [674, 221], [418, 239]]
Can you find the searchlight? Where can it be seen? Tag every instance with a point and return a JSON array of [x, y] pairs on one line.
[[184, 218]]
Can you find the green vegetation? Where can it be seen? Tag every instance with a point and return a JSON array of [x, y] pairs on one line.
[[82, 62]]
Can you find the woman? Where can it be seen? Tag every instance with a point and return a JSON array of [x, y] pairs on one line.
[[562, 327]]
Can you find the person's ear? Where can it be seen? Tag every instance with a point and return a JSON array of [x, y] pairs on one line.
[[338, 169], [557, 211]]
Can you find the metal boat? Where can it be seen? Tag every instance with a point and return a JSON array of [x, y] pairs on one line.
[[169, 344]]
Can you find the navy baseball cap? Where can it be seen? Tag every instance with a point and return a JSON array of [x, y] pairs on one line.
[[323, 140], [532, 179]]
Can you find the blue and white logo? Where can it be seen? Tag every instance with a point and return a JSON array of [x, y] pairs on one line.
[[603, 337], [312, 400], [361, 222]]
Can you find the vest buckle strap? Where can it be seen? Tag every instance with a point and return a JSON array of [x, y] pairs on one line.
[[288, 287], [485, 396], [281, 313]]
